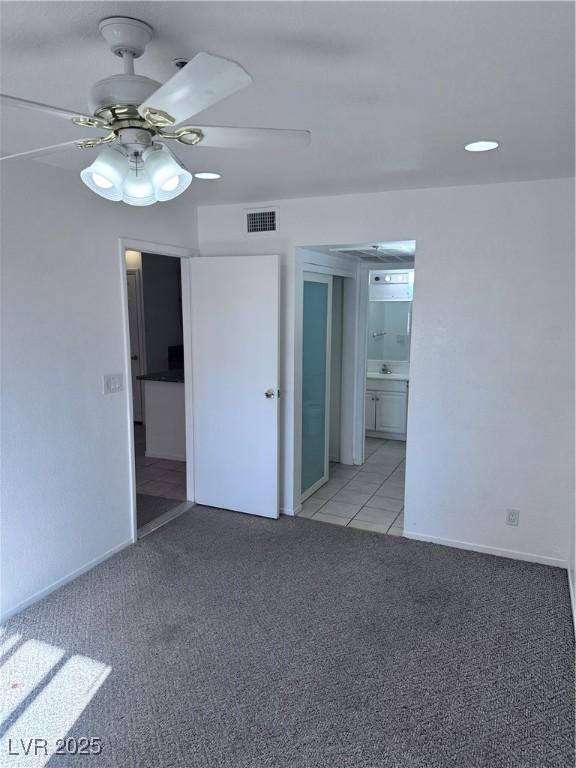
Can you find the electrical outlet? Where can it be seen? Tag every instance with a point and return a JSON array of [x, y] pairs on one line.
[[512, 517], [112, 383]]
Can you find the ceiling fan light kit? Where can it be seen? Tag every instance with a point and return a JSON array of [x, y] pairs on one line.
[[139, 114], [106, 174], [155, 176], [168, 177]]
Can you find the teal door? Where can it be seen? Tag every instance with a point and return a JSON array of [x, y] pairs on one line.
[[315, 368]]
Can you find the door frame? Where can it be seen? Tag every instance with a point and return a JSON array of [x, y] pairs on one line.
[[137, 272], [364, 270], [354, 353], [326, 279], [184, 254]]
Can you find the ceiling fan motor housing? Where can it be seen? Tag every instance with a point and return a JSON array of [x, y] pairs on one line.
[[121, 90], [126, 35]]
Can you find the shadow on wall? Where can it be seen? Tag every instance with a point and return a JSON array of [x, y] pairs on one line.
[[162, 289]]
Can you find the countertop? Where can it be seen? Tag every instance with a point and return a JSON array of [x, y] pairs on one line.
[[389, 376], [175, 376]]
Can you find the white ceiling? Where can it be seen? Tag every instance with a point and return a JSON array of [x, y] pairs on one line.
[[390, 90]]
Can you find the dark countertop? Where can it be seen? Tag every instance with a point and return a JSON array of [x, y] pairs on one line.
[[175, 376]]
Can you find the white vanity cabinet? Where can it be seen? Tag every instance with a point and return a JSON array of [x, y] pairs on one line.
[[386, 407]]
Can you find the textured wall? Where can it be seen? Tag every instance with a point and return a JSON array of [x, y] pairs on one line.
[[490, 421], [65, 458]]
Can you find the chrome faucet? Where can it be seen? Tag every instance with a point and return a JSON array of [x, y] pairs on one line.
[[385, 369]]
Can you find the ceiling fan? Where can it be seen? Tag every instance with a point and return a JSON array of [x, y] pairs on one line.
[[138, 115]]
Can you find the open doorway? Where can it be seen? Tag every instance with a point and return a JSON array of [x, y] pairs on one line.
[[154, 284], [367, 493]]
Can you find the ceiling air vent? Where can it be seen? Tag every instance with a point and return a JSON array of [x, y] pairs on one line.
[[261, 220]]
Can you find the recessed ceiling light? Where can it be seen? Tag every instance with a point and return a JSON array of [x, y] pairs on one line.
[[207, 175], [481, 146]]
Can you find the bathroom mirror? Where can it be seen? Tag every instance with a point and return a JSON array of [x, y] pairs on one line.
[[389, 330]]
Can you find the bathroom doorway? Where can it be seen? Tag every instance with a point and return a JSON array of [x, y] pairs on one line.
[[367, 492]]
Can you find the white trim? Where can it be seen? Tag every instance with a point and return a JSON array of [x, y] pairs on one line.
[[291, 512], [382, 435], [317, 485], [333, 271], [142, 354], [60, 582], [509, 553], [361, 358], [162, 249], [146, 246], [123, 246], [186, 273], [327, 263], [572, 589], [166, 456]]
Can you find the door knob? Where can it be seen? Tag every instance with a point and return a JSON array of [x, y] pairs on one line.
[[269, 393]]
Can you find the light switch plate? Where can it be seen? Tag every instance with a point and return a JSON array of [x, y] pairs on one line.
[[112, 383]]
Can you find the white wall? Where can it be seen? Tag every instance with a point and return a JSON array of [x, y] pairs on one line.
[[65, 453], [490, 421]]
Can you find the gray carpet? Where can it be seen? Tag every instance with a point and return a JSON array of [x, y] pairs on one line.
[[238, 642], [148, 508]]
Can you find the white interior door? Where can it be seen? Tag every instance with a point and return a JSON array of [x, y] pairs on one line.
[[135, 334], [235, 377]]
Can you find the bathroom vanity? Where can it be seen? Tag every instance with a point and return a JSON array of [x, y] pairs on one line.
[[386, 405], [388, 370]]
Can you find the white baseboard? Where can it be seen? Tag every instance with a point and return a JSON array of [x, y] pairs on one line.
[[291, 512], [60, 582], [572, 587], [387, 435], [167, 456], [510, 553]]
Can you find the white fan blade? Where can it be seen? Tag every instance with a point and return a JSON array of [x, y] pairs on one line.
[[42, 151], [14, 101], [252, 138], [205, 80]]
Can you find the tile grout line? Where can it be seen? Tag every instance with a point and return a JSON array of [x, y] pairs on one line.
[[325, 501], [374, 494]]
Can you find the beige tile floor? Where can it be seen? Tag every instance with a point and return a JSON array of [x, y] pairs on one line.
[[370, 497], [157, 477]]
